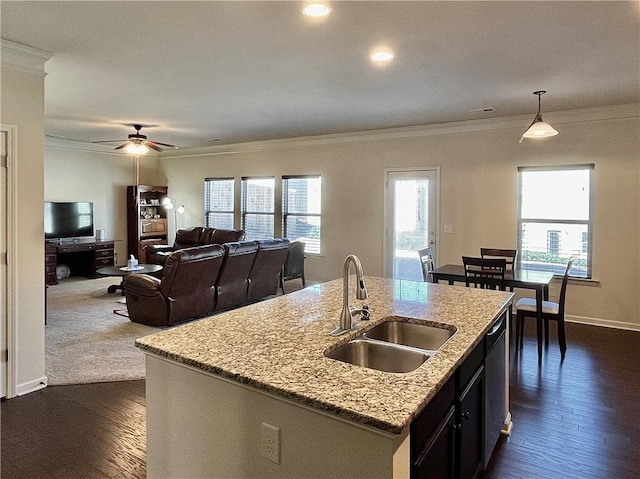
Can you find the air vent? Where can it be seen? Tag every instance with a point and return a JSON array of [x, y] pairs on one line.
[[483, 110]]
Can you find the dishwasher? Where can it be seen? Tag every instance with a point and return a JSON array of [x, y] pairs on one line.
[[494, 368]]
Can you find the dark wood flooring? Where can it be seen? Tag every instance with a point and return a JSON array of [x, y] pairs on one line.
[[574, 419], [92, 431]]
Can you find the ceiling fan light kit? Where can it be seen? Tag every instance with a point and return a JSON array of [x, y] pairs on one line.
[[538, 127], [138, 144], [136, 149]]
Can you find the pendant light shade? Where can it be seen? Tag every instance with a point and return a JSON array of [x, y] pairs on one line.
[[538, 128]]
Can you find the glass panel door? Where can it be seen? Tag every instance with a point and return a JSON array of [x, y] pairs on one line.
[[411, 221]]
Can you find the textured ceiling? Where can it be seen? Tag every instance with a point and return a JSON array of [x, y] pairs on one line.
[[242, 71]]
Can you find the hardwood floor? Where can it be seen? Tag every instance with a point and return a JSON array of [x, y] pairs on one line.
[[84, 431], [575, 419]]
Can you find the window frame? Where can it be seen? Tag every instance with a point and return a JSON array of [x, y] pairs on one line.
[[586, 272], [207, 203], [286, 214], [243, 203]]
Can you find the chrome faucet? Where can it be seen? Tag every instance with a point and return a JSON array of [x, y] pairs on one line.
[[346, 316]]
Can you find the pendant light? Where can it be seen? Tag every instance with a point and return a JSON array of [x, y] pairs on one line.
[[538, 128]]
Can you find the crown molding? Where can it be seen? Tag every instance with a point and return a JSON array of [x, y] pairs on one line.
[[520, 122], [52, 142], [23, 58]]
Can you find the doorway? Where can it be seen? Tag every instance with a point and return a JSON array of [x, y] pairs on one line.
[[4, 291], [411, 219]]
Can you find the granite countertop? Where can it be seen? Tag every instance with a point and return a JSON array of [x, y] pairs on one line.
[[278, 346]]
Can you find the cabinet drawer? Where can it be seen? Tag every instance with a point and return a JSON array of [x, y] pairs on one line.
[[108, 245], [470, 365], [428, 419], [76, 247], [101, 262], [154, 226], [104, 253]]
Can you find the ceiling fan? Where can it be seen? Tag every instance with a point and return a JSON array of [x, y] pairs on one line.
[[138, 144]]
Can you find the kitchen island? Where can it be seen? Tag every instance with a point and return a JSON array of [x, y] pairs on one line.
[[213, 385]]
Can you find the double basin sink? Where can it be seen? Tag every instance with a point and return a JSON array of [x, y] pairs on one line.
[[395, 345]]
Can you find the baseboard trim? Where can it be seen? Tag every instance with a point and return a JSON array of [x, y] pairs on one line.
[[606, 323], [31, 386]]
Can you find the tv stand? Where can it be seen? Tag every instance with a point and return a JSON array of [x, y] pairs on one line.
[[83, 257]]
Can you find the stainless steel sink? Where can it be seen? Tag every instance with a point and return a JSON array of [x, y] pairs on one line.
[[394, 346], [423, 336], [379, 355]]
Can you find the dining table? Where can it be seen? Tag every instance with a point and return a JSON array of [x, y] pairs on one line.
[[513, 278]]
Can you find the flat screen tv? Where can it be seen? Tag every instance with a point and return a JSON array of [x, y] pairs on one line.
[[68, 219]]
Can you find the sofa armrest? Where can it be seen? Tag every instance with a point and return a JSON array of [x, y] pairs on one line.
[[142, 284], [159, 248]]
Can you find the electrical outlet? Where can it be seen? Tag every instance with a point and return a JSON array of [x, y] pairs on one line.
[[270, 443]]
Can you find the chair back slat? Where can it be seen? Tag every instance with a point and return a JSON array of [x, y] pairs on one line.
[[563, 288], [484, 273], [509, 255], [426, 262]]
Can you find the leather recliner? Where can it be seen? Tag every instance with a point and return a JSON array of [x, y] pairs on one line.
[[233, 280], [264, 278], [186, 291], [190, 237]]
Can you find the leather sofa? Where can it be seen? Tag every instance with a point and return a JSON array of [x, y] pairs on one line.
[[190, 237], [204, 279], [186, 291], [264, 277], [233, 279]]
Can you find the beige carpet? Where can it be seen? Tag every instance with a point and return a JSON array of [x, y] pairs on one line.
[[85, 341]]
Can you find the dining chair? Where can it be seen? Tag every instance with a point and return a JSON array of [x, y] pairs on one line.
[[426, 262], [484, 273], [527, 307], [509, 255]]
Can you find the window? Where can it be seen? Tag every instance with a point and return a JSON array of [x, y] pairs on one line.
[[258, 208], [554, 218], [218, 203], [301, 208]]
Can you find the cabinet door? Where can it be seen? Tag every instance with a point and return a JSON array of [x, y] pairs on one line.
[[470, 431], [437, 458]]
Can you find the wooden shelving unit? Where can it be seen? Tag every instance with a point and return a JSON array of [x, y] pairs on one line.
[[146, 219]]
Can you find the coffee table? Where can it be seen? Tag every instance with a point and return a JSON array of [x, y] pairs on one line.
[[122, 271]]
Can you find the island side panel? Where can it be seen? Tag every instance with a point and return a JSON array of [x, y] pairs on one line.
[[199, 425]]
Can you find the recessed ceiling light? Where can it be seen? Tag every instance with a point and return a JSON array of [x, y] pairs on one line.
[[382, 56], [316, 10]]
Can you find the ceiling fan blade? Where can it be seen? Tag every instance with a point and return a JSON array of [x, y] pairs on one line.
[[121, 146], [151, 145], [161, 144], [108, 141]]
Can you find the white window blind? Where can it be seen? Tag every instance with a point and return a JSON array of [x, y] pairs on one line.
[[301, 210], [258, 208], [555, 218], [218, 202]]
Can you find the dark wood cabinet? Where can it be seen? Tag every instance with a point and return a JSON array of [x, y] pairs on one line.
[[82, 258], [470, 427], [146, 219], [448, 437]]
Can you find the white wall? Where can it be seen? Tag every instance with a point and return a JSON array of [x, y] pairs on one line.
[[478, 163], [22, 98], [100, 177]]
